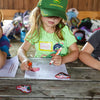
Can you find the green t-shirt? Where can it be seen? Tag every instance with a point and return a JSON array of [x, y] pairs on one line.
[[48, 42]]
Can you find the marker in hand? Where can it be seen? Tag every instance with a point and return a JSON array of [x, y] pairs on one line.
[[57, 53], [30, 64], [34, 69]]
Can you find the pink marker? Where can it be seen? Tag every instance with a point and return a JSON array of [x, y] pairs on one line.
[[57, 53]]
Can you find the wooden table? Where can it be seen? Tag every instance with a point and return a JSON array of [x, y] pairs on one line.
[[83, 85]]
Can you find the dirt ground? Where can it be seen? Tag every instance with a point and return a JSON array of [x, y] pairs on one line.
[[15, 46]]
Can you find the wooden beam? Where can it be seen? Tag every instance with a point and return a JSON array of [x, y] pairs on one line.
[[91, 14], [9, 14]]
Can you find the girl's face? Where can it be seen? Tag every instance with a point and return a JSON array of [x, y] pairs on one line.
[[50, 21]]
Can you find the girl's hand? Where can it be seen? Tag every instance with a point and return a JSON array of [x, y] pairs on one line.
[[25, 65], [57, 60]]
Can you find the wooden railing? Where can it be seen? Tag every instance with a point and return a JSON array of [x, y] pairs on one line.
[[81, 5], [9, 14], [91, 14]]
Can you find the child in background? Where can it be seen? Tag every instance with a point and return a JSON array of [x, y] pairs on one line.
[[48, 33], [90, 53], [4, 46]]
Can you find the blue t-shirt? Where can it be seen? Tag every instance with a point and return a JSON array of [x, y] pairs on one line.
[[4, 45]]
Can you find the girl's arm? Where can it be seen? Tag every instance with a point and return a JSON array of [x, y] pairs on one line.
[[73, 54], [22, 55], [85, 56], [3, 57]]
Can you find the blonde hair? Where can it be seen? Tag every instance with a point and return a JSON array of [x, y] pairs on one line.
[[34, 17], [35, 23]]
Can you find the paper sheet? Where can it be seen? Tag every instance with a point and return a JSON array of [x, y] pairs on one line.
[[46, 71], [10, 68]]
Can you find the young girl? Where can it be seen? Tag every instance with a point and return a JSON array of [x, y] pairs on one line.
[[4, 46], [48, 33]]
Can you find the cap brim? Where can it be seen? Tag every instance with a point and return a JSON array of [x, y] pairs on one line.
[[53, 12]]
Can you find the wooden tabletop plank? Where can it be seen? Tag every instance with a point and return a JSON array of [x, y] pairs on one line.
[[83, 85], [84, 73], [50, 89], [76, 73], [52, 98]]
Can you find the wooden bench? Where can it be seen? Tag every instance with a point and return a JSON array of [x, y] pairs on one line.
[[83, 85]]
